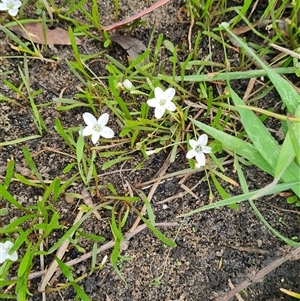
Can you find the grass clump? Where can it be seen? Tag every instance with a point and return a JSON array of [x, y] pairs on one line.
[[157, 106]]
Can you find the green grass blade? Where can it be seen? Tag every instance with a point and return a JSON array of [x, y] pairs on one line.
[[240, 198], [155, 231], [148, 208], [287, 93], [244, 186], [19, 140], [264, 142]]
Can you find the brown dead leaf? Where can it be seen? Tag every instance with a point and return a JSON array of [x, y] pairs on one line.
[[133, 47], [34, 32], [243, 29]]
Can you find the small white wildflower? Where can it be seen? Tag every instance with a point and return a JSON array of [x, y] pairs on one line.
[[4, 252], [198, 150], [162, 101], [104, 260], [96, 128], [150, 152], [12, 6], [127, 84]]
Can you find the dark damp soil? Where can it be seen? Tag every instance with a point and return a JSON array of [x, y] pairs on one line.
[[213, 247]]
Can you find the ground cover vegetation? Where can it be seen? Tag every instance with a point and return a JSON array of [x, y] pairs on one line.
[[164, 111]]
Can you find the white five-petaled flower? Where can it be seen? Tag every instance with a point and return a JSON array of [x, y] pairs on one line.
[[162, 101], [96, 128], [198, 150], [4, 252], [12, 6]]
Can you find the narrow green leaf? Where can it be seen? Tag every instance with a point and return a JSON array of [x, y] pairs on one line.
[[8, 174], [80, 292], [148, 208], [7, 196], [66, 270], [221, 190], [113, 162], [114, 227], [287, 93], [155, 231], [27, 182], [25, 262], [240, 198], [79, 148], [257, 212], [69, 233], [119, 100], [32, 165], [70, 142], [264, 142], [116, 251]]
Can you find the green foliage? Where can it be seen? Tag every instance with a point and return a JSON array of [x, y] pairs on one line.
[[198, 109]]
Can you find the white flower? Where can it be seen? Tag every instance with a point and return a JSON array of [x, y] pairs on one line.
[[4, 250], [150, 152], [96, 128], [162, 101], [11, 5], [127, 84], [198, 150]]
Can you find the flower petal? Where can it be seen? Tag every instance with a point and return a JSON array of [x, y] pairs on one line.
[[13, 12], [95, 137], [191, 154], [89, 119], [18, 4], [206, 149], [103, 119], [2, 248], [200, 158], [13, 256], [202, 140], [107, 132], [170, 106], [169, 94], [193, 143], [153, 102], [88, 130], [159, 112], [3, 257], [127, 84], [3, 6], [4, 252], [8, 244], [159, 94]]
